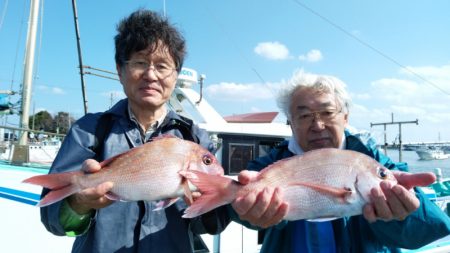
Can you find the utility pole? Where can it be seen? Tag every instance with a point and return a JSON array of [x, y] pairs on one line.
[[399, 123]]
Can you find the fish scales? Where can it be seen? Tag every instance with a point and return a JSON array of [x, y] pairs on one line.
[[332, 168], [163, 174]]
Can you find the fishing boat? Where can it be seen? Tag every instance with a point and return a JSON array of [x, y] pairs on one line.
[[41, 152], [429, 153]]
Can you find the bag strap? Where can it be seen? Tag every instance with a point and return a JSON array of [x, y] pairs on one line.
[[184, 126], [103, 128]]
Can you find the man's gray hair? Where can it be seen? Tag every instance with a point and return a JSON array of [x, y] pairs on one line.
[[320, 83]]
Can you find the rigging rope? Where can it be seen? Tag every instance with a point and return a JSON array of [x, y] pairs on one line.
[[41, 28], [5, 7], [18, 45]]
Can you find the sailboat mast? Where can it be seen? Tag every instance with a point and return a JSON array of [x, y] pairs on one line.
[[80, 59], [28, 69]]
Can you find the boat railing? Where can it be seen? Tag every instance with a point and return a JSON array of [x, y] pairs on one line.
[[11, 135]]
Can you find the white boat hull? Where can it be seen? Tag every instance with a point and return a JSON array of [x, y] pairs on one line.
[[432, 154]]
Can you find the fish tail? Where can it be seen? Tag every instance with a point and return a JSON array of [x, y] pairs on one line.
[[215, 192], [60, 185]]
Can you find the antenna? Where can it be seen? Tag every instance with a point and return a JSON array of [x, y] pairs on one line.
[[164, 8], [200, 80]]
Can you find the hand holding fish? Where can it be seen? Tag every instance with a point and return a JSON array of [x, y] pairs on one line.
[[91, 198], [263, 209], [396, 201]]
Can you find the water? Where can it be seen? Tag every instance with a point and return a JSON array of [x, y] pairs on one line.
[[417, 165]]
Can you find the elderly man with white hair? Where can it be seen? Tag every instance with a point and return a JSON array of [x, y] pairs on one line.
[[399, 216]]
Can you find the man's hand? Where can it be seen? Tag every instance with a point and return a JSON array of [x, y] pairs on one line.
[[91, 198], [396, 202], [263, 208]]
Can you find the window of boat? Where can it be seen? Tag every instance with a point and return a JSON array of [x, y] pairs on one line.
[[239, 156]]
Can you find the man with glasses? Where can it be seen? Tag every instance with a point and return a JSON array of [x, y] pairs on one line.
[[317, 108], [149, 55]]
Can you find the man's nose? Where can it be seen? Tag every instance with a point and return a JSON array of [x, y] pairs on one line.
[[317, 123], [151, 72]]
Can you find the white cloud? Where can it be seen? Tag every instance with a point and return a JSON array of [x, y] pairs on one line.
[[272, 50], [42, 87], [358, 108], [408, 98], [395, 90], [438, 118], [412, 110], [51, 89], [58, 91], [360, 96], [442, 72], [313, 55], [39, 109], [255, 109], [239, 92]]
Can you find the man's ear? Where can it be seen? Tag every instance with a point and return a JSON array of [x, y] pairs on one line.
[[346, 118]]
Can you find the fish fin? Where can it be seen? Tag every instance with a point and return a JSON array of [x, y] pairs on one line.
[[187, 192], [343, 194], [60, 185], [214, 191], [53, 181], [165, 203], [322, 219], [57, 195], [113, 196]]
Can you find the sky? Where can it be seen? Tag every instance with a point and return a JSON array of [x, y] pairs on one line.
[[393, 55]]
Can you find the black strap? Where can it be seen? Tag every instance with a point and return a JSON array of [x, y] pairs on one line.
[[184, 126], [103, 128]]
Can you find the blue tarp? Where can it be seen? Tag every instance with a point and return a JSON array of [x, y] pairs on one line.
[[4, 104]]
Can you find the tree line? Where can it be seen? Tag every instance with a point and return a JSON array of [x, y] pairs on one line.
[[44, 121]]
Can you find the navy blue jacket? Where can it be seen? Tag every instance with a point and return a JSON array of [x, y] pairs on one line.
[[129, 226], [355, 234]]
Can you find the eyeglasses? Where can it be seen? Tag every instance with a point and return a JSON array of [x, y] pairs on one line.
[[161, 70], [326, 116]]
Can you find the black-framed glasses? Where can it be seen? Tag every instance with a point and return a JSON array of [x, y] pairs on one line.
[[161, 70]]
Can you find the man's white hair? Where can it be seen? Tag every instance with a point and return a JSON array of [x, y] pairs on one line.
[[319, 83]]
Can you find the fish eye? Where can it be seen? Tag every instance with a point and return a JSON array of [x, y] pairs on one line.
[[382, 173], [207, 160]]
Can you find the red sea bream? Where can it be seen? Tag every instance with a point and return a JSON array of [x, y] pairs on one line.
[[148, 172], [320, 184]]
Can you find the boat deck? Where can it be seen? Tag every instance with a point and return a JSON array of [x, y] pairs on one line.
[[22, 230]]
